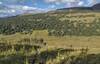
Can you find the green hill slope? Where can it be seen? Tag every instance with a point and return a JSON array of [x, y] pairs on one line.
[[58, 23]]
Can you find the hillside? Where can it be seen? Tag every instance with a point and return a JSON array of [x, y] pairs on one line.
[[63, 22], [94, 7], [62, 36], [49, 21], [97, 6]]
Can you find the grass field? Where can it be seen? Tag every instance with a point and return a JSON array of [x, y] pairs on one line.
[[77, 42]]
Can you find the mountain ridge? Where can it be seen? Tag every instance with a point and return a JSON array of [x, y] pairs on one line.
[[94, 7]]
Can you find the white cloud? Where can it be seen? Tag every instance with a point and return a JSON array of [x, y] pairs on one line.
[[21, 7], [61, 1], [81, 3], [48, 1], [28, 8], [91, 2], [68, 3], [70, 0], [8, 11], [0, 2], [13, 11], [52, 6]]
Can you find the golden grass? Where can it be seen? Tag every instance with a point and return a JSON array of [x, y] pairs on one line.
[[78, 42]]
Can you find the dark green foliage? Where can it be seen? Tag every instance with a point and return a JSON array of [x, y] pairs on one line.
[[88, 59], [13, 59], [4, 47], [50, 54], [78, 59]]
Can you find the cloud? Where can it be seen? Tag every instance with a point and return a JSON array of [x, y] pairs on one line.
[[73, 3], [60, 1], [52, 6], [81, 3], [12, 10], [92, 2], [21, 7], [68, 3], [1, 3], [17, 1]]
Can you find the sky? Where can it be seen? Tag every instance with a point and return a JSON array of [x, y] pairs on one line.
[[50, 4], [7, 7]]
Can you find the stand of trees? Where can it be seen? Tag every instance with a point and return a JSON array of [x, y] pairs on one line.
[[54, 26]]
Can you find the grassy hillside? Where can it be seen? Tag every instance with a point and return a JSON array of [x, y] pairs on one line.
[[55, 37], [57, 23], [71, 22]]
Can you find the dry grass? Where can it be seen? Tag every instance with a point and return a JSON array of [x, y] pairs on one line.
[[83, 17], [92, 42]]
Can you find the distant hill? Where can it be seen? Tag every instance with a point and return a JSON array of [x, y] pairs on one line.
[[96, 7], [77, 8]]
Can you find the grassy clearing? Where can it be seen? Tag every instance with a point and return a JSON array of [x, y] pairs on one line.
[[77, 42]]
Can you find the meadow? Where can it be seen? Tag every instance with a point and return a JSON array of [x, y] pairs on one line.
[[91, 42], [20, 48]]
